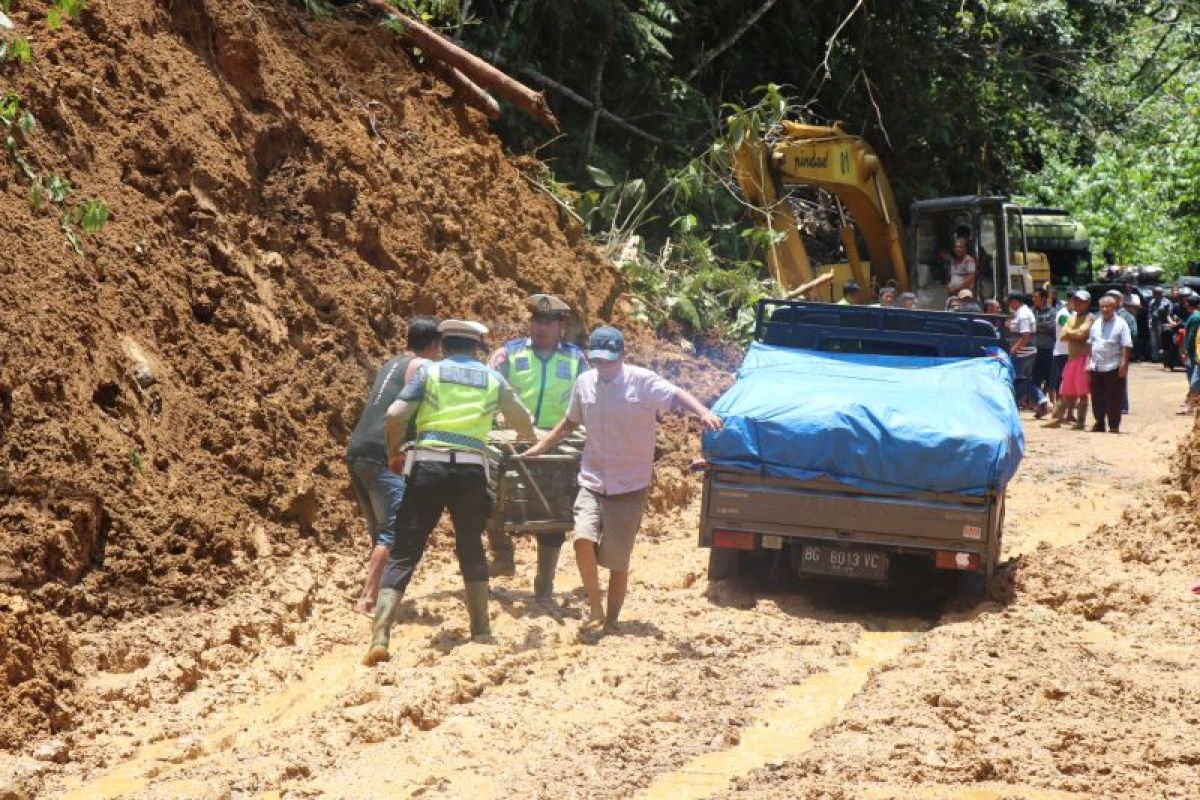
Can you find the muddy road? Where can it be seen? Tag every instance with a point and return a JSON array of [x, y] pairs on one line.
[[1075, 677]]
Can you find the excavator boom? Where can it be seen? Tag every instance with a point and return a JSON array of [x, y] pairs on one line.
[[825, 157]]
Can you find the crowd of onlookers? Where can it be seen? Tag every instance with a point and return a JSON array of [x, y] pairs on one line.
[[1066, 354]]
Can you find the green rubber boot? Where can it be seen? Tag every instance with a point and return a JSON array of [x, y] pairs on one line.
[[1081, 419], [477, 610], [381, 629], [547, 563]]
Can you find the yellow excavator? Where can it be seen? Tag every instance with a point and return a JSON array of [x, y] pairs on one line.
[[999, 232]]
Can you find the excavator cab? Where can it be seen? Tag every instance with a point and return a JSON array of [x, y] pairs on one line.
[[996, 237]]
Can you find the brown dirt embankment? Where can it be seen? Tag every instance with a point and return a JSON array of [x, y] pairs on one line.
[[285, 193]]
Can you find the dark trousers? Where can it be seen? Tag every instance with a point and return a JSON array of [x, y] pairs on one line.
[[434, 487], [1108, 389], [1043, 368], [502, 543], [1023, 385]]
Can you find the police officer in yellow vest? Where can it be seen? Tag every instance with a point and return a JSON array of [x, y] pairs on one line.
[[455, 401], [542, 369]]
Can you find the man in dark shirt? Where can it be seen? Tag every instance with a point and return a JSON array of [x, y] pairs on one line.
[[378, 490]]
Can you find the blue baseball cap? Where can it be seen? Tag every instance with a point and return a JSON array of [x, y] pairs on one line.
[[606, 344]]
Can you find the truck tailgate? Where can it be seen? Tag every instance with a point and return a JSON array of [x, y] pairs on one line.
[[824, 510]]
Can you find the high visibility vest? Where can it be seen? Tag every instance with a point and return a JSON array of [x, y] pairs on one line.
[[457, 409], [543, 386]]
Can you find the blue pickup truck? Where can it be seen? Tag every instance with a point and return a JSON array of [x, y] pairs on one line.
[[857, 437]]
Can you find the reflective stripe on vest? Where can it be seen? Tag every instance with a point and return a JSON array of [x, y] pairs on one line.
[[543, 386], [457, 409]]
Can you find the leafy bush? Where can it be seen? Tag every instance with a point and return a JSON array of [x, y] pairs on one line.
[[63, 9], [17, 50]]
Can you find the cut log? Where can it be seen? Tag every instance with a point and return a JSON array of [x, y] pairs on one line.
[[471, 92], [816, 283], [438, 48]]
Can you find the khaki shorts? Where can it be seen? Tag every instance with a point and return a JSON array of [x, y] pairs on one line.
[[612, 522]]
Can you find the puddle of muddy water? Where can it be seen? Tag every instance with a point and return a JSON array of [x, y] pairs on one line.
[[784, 726]]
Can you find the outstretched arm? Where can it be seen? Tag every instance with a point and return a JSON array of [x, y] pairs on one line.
[[559, 432], [687, 402]]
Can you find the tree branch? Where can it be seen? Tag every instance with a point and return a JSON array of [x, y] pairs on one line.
[[833, 39], [580, 100], [707, 58], [589, 140]]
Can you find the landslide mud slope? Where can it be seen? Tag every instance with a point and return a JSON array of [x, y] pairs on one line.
[[284, 194]]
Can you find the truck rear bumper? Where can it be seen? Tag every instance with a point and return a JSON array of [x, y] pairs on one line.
[[749, 511]]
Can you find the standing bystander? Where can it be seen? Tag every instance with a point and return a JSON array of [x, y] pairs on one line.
[[1111, 343], [1022, 326], [1044, 340], [1073, 386]]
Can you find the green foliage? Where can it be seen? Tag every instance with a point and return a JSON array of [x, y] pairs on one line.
[[699, 270], [10, 108], [66, 224], [63, 10], [436, 13], [1131, 168], [57, 189], [91, 216], [318, 8], [17, 50], [88, 217]]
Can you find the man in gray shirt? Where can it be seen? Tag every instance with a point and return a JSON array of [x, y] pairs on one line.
[[379, 491]]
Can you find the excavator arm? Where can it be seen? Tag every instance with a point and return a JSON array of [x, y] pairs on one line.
[[828, 158]]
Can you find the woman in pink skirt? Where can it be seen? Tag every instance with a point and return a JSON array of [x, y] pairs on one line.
[[1073, 393]]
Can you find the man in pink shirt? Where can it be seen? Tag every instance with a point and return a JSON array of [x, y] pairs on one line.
[[618, 404]]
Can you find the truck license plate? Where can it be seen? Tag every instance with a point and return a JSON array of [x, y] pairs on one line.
[[821, 560]]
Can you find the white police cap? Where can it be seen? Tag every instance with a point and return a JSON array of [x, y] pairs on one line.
[[463, 329]]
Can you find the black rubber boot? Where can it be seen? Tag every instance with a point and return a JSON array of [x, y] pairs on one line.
[[501, 545], [477, 610], [547, 563], [381, 629]]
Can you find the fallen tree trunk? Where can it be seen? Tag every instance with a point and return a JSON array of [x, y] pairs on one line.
[[474, 68], [816, 283], [471, 92]]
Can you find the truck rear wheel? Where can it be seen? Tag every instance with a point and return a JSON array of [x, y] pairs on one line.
[[972, 586], [722, 563]]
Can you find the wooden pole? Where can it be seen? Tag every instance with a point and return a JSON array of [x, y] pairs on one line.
[[476, 69], [471, 92], [816, 283]]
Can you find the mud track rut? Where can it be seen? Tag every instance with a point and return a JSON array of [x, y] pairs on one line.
[[778, 691]]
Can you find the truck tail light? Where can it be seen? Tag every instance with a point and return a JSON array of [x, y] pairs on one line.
[[952, 559], [699, 465], [733, 540]]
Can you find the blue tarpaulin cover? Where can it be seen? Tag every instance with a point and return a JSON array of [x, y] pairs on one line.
[[890, 424]]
